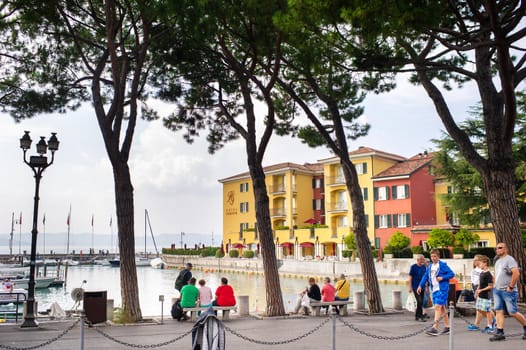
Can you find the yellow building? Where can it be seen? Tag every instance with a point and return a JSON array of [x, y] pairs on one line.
[[290, 191], [447, 220], [299, 196], [368, 163]]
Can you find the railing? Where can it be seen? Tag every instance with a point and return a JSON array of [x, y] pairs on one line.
[[278, 212], [20, 297], [281, 188], [337, 206], [335, 180]]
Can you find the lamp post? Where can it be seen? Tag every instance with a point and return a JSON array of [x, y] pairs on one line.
[[182, 234], [38, 164]]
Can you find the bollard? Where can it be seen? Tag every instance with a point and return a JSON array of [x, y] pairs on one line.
[[109, 309], [359, 301], [242, 302], [334, 313], [451, 319], [397, 300], [82, 320]]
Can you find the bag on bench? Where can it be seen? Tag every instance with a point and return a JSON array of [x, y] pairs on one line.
[[177, 311]]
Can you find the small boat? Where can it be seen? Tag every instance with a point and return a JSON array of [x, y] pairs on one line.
[[115, 261], [11, 295], [142, 261], [158, 263], [70, 262], [40, 282]]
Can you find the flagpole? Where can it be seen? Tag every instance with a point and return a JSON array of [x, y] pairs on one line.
[[44, 233], [20, 237], [92, 245], [12, 231], [68, 222], [111, 232]]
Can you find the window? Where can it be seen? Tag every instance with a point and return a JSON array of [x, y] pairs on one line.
[[343, 221], [243, 226], [401, 220], [317, 204], [243, 207], [480, 244], [317, 183], [382, 221], [361, 168], [365, 193], [400, 192], [381, 193], [243, 187]]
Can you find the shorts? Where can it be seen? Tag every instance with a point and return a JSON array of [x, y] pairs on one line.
[[439, 297], [483, 304], [505, 300]]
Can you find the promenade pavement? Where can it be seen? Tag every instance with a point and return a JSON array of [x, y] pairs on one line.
[[391, 331]]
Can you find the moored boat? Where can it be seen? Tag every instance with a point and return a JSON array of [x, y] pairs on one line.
[[157, 263]]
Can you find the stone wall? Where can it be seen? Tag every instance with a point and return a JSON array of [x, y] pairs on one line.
[[396, 269]]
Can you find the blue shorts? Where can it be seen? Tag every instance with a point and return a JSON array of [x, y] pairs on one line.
[[502, 299], [439, 297]]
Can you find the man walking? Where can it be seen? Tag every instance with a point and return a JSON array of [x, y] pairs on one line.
[[437, 276], [416, 272], [506, 293]]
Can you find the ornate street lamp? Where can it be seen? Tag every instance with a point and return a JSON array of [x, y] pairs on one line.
[[38, 164]]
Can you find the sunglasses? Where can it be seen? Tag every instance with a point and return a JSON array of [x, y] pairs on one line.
[[500, 247]]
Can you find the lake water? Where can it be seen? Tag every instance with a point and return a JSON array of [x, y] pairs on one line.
[[154, 282]]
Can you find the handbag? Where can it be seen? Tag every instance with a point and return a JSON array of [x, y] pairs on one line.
[[305, 300], [410, 303]]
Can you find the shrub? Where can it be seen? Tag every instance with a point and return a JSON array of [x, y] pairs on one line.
[[459, 250], [249, 254], [403, 253], [417, 249], [220, 253], [282, 227], [234, 253], [346, 253]]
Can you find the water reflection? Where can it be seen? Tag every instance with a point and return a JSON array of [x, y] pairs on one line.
[[153, 283]]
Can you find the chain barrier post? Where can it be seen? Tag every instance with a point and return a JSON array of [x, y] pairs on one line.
[[451, 319], [161, 299], [334, 328], [82, 330]]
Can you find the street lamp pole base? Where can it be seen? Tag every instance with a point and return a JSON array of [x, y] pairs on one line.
[[29, 323]]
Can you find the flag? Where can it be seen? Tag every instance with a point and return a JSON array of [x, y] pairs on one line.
[[44, 219], [20, 221], [111, 220], [92, 215], [69, 216]]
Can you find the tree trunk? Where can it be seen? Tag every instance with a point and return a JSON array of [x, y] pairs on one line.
[[125, 220], [500, 192], [370, 279], [273, 293]]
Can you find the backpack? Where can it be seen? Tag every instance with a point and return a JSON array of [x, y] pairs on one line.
[[177, 311], [180, 280], [208, 332]]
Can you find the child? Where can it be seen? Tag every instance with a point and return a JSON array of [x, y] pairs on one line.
[[482, 295]]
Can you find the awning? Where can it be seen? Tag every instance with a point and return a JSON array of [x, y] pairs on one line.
[[307, 244], [238, 245], [286, 244], [311, 221]]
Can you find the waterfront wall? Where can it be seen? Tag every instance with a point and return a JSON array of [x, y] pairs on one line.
[[389, 269]]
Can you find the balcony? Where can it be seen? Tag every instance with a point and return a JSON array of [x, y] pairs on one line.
[[277, 212], [335, 180], [277, 189], [337, 206]]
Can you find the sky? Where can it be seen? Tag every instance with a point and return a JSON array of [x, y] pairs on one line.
[[176, 182]]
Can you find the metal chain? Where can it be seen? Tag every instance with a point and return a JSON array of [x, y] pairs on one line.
[[280, 342], [459, 315], [381, 337], [52, 340], [141, 346]]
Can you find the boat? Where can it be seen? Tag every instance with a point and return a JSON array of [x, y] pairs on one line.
[[157, 263], [115, 261], [9, 294], [142, 261], [40, 282]]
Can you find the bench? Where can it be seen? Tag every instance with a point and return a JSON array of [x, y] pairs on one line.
[[194, 310], [317, 305]]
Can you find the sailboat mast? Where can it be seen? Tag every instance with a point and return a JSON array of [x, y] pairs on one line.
[[147, 219], [12, 232]]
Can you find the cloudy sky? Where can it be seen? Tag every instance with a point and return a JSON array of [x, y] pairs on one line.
[[175, 181]]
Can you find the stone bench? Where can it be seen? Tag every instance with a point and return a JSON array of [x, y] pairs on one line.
[[317, 305], [194, 310]]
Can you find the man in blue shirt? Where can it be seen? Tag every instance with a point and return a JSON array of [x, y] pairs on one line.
[[416, 272]]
